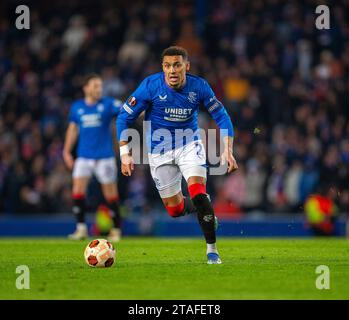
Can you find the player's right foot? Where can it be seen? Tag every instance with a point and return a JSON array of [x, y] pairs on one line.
[[79, 234], [213, 258]]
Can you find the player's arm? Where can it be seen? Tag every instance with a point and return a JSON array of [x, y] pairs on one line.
[[217, 111], [129, 112], [69, 143], [227, 155]]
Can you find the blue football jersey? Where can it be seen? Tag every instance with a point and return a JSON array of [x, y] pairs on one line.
[[168, 110], [95, 136]]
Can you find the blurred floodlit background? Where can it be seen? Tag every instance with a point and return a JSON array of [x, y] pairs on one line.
[[284, 83]]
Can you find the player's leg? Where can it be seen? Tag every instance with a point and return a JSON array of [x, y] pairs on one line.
[[168, 178], [111, 196], [192, 162], [205, 212], [205, 215], [81, 174], [106, 173]]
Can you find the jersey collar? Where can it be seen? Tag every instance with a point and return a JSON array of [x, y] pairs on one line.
[[91, 105]]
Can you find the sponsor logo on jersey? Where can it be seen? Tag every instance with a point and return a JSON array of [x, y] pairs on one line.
[[175, 119], [132, 101], [192, 97], [91, 120], [178, 114]]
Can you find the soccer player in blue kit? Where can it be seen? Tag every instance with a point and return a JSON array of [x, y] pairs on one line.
[[90, 122], [171, 100]]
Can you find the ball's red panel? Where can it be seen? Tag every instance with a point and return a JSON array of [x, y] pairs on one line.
[[92, 260], [93, 243], [110, 245]]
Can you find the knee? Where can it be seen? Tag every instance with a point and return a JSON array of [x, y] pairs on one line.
[[175, 211]]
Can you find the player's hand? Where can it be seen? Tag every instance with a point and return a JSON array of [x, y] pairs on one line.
[[127, 165], [68, 160], [228, 157]]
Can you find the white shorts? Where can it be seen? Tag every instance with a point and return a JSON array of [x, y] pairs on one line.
[[104, 169], [167, 169]]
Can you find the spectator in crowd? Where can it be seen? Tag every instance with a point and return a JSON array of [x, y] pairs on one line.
[[321, 211], [256, 177]]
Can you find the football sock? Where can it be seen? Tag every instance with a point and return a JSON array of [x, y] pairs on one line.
[[113, 205], [79, 207], [211, 248], [189, 207], [184, 208], [206, 217]]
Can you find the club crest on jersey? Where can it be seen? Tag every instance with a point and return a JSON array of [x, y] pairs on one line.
[[100, 107], [132, 101], [192, 97], [163, 98]]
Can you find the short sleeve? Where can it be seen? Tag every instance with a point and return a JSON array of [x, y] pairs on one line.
[[73, 117]]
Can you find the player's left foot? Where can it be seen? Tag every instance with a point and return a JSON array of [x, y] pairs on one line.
[[213, 258], [114, 235]]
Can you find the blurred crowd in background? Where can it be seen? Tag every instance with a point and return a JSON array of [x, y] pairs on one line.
[[284, 83]]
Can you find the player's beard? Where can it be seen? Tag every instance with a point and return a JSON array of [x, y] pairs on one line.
[[178, 84]]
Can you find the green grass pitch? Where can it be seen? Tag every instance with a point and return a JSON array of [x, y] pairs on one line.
[[159, 268]]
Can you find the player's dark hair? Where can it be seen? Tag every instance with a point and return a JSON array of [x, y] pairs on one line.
[[86, 79], [174, 51]]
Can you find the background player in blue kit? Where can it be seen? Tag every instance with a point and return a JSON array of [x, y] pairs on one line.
[[171, 100], [89, 123]]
